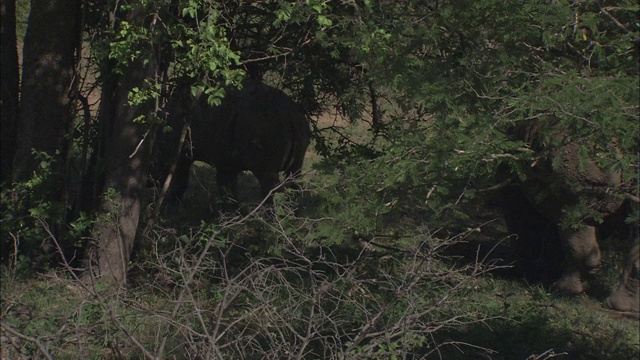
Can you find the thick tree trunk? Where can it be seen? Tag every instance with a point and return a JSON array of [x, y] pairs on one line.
[[47, 79], [126, 156], [10, 85]]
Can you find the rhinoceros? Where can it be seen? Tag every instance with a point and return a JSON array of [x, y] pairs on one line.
[[257, 128], [559, 185]]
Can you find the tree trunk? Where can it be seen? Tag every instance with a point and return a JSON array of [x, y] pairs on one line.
[[47, 79], [127, 157], [10, 83], [376, 117]]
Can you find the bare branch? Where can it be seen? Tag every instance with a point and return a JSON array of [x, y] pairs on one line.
[[43, 350]]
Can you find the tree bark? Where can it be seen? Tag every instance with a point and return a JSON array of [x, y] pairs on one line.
[[48, 72], [124, 152], [10, 86], [127, 157]]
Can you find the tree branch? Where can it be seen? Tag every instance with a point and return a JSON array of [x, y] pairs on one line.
[[24, 337]]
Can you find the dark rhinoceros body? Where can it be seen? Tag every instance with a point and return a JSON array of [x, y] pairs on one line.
[[258, 128], [541, 209]]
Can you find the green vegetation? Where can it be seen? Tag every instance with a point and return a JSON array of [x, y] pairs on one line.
[[304, 302], [393, 247]]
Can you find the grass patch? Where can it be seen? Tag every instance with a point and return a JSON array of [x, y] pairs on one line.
[[274, 302]]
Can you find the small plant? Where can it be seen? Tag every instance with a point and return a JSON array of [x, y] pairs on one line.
[[25, 245]]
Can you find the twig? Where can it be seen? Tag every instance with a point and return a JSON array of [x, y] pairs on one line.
[[632, 197], [499, 186], [22, 336], [615, 21], [144, 137]]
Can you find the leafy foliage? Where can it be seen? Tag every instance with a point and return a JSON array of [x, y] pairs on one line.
[[26, 244]]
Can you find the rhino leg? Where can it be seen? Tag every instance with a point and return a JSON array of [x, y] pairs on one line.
[[291, 178], [294, 170], [582, 255], [627, 295], [227, 180], [180, 180], [268, 181], [535, 238]]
